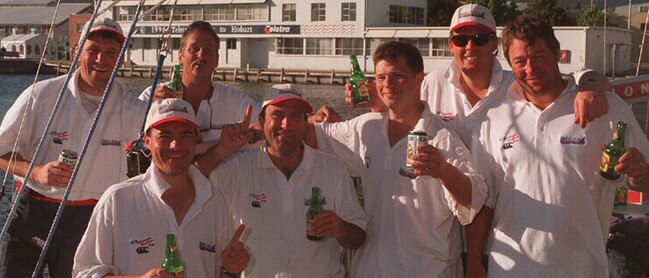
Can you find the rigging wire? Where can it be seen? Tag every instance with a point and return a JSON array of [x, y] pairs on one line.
[[91, 131]]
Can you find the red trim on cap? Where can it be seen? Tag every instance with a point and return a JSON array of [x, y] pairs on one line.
[[174, 119], [473, 24], [307, 106]]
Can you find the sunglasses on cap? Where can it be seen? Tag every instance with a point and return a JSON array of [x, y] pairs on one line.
[[479, 39]]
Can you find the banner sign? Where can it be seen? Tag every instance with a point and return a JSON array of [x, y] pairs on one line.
[[227, 29]]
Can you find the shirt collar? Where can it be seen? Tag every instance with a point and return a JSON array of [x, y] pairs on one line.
[[114, 98], [159, 186]]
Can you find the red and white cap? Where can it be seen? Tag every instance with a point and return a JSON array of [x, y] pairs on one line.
[[170, 110], [105, 24], [473, 15], [283, 92]]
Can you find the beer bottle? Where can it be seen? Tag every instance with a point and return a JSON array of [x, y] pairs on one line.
[[314, 209], [176, 83], [613, 152], [359, 83], [172, 261]]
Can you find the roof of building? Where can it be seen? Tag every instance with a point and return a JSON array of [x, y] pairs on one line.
[[39, 2], [40, 15], [20, 38]]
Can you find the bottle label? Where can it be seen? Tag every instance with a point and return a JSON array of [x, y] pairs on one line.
[[363, 91], [606, 162], [309, 224]]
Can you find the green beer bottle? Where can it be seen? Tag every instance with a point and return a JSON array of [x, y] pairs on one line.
[[314, 209], [613, 152], [176, 83], [359, 83], [172, 261]]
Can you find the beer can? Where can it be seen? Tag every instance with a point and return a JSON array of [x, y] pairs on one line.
[[68, 157], [415, 139]]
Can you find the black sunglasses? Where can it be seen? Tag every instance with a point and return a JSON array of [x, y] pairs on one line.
[[479, 39]]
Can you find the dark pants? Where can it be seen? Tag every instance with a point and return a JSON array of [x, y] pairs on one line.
[[28, 232]]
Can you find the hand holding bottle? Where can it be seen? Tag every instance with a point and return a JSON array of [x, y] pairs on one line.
[[235, 257], [633, 165]]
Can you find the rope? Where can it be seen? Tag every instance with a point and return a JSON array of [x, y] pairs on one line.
[[68, 190], [47, 127], [162, 55]]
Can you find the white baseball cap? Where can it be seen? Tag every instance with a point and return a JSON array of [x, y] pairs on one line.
[[170, 110], [473, 15], [105, 24], [283, 92]]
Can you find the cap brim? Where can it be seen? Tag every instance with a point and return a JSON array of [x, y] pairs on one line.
[[473, 24], [174, 119], [305, 104]]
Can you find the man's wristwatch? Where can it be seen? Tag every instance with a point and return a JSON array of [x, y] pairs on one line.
[[223, 270]]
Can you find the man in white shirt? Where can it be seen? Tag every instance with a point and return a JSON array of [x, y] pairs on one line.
[[415, 214], [127, 231], [551, 206], [216, 104], [268, 190], [104, 163]]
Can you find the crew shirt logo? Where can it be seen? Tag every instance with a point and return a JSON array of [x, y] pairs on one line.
[[257, 199], [509, 141], [142, 245], [573, 140], [59, 137], [207, 247], [446, 116]]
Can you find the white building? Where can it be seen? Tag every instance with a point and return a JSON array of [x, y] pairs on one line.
[[30, 46], [321, 34]]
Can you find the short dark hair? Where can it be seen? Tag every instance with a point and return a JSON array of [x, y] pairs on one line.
[[529, 29], [394, 49], [198, 26]]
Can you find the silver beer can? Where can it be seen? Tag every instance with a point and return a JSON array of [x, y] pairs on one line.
[[68, 157], [415, 139]]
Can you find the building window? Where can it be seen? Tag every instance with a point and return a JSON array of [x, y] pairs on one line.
[[255, 12], [188, 13], [219, 13], [292, 46], [421, 43], [349, 46], [175, 44], [644, 9], [440, 48], [124, 13], [348, 12], [405, 14], [37, 49], [319, 46], [147, 43], [318, 12], [231, 43], [288, 12]]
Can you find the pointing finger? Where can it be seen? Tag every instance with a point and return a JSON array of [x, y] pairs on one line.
[[248, 116], [237, 234]]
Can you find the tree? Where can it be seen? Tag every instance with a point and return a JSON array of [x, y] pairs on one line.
[[591, 17], [440, 12], [502, 11], [548, 11]]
